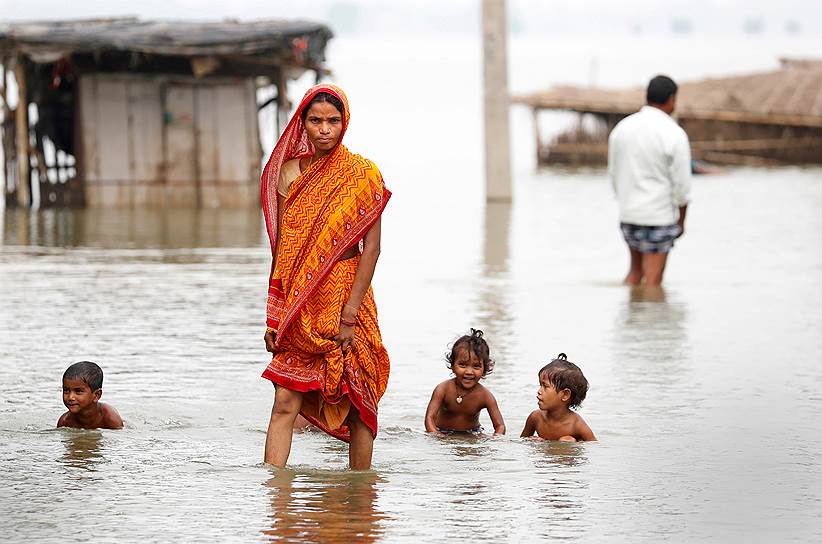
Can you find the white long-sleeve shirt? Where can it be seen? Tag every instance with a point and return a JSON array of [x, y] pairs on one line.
[[649, 163]]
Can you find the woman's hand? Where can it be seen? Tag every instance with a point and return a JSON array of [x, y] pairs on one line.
[[345, 338], [270, 337]]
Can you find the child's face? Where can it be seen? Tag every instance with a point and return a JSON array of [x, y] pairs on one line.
[[548, 398], [78, 396], [467, 367]]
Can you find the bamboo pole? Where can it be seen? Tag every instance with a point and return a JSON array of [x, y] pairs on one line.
[[22, 125], [495, 72]]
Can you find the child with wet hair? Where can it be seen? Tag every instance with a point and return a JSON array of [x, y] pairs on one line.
[[455, 404], [562, 386], [82, 389]]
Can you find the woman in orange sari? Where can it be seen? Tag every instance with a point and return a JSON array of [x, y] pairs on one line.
[[322, 208]]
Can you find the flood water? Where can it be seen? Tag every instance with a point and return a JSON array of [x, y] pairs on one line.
[[705, 397]]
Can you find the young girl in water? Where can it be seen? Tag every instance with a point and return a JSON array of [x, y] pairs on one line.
[[456, 403], [562, 386]]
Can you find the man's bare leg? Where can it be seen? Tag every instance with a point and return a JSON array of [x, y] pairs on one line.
[[362, 442], [287, 404], [634, 276], [653, 266]]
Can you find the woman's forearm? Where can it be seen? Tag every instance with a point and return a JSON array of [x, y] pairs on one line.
[[365, 272], [362, 280]]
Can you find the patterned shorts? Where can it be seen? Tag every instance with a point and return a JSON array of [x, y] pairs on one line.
[[450, 432], [650, 239]]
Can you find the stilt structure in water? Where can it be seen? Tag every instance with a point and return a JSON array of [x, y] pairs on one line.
[[763, 119], [133, 113]]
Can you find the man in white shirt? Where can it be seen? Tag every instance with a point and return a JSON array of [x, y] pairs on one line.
[[649, 163]]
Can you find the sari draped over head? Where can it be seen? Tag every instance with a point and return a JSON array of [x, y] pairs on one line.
[[329, 208]]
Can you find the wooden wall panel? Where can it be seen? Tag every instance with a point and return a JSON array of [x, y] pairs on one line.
[[181, 168], [145, 131], [112, 130], [232, 134]]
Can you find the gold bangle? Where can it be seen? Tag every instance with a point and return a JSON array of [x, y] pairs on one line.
[[356, 310]]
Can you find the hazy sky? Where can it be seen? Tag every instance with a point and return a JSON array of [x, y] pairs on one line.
[[765, 17]]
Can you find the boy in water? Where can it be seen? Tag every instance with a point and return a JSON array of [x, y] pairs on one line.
[[82, 389], [456, 403], [562, 386]]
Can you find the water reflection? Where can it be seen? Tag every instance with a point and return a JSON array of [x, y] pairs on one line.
[[559, 466], [650, 344], [553, 453], [324, 507], [494, 302], [82, 449], [133, 228], [651, 325]]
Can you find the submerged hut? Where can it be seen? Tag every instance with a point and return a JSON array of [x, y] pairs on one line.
[[128, 113], [763, 119]]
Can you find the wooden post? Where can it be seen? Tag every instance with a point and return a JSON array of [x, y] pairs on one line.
[[22, 124], [497, 139], [537, 135], [5, 137], [282, 103]]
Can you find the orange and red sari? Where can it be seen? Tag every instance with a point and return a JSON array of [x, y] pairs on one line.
[[329, 209]]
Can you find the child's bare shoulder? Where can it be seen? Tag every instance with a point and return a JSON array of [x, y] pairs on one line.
[[536, 415], [111, 418], [581, 428], [65, 420], [486, 393], [443, 386]]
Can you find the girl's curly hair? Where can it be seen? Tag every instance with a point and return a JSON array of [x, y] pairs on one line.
[[477, 345]]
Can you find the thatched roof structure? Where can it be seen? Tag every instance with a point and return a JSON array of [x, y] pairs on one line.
[[789, 96], [265, 43], [768, 118]]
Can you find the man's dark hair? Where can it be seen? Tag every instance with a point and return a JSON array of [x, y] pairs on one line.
[[323, 97], [563, 374], [86, 371], [660, 89]]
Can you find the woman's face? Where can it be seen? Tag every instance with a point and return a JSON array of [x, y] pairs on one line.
[[324, 124]]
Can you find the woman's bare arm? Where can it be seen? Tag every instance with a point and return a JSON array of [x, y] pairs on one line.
[[362, 280], [494, 414]]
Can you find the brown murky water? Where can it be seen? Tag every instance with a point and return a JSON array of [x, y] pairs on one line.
[[706, 398]]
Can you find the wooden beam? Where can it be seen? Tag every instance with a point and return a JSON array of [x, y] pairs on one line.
[[7, 191], [740, 160], [22, 127], [762, 144], [283, 105], [604, 107]]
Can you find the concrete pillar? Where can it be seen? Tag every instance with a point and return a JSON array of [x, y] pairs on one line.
[[495, 73]]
